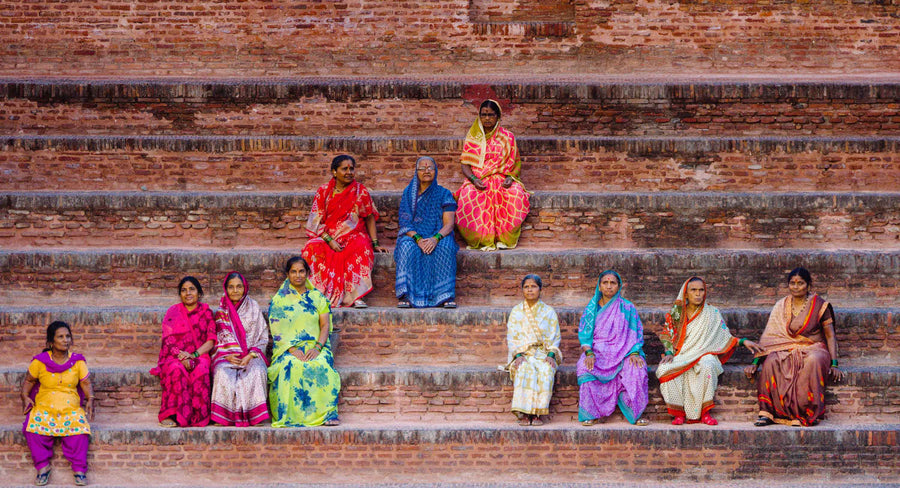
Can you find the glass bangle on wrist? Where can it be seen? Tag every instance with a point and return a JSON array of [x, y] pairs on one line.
[[374, 242], [417, 237], [327, 238], [834, 363], [437, 236], [756, 361], [741, 342]]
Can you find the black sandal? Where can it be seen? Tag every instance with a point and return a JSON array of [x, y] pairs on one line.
[[763, 421]]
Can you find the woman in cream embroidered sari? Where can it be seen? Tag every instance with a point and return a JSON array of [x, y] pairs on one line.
[[800, 352], [697, 343], [532, 334], [492, 202]]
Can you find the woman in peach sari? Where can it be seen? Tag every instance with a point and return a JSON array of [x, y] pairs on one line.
[[492, 203]]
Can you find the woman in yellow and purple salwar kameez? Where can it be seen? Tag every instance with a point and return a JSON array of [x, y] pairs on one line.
[[533, 336], [492, 202]]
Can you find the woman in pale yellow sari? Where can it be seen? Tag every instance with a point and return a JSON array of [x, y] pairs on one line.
[[532, 333]]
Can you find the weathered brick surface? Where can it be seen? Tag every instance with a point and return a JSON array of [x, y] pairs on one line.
[[549, 163], [479, 453], [556, 221], [738, 278], [478, 392], [403, 108], [232, 38], [381, 337]]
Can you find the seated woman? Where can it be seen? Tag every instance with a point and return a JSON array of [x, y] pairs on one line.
[[532, 334], [492, 203], [612, 369], [239, 361], [426, 252], [800, 351], [303, 384], [58, 402], [188, 334], [342, 237]]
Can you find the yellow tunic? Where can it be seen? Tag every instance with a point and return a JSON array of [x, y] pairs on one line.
[[532, 332], [57, 408]]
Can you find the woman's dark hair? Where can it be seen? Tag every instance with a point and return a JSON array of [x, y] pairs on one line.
[[336, 162], [492, 104], [535, 278], [696, 278], [803, 273], [51, 332], [193, 281], [294, 260]]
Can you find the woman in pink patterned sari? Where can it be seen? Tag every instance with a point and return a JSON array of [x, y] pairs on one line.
[[239, 375], [342, 237], [492, 203], [188, 334]]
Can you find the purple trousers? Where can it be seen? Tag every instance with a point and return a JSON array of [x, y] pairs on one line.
[[74, 448]]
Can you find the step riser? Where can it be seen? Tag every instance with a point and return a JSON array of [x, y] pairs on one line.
[[613, 221], [223, 456], [482, 396], [359, 38], [446, 109], [848, 278], [276, 164], [413, 338]]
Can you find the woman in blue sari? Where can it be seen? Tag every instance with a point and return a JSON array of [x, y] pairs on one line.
[[426, 251], [612, 370]]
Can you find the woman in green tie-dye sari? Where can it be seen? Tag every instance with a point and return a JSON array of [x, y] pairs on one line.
[[303, 384]]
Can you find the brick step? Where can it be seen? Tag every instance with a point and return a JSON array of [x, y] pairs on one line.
[[61, 467], [478, 392], [552, 163], [390, 336], [737, 278], [367, 106], [479, 453], [557, 220], [240, 38]]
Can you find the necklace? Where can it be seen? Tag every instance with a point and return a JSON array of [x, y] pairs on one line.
[[795, 310]]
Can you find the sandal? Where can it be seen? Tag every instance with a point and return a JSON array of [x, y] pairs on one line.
[[763, 421], [536, 420], [360, 304], [400, 304], [590, 423], [168, 423], [450, 304], [641, 422], [332, 423], [679, 420], [80, 479], [42, 478], [708, 420]]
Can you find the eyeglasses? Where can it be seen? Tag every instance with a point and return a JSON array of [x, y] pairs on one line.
[[426, 169]]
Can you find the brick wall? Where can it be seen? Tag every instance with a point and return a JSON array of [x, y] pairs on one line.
[[557, 164], [169, 38]]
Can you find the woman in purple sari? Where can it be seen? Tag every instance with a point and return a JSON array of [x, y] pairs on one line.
[[612, 369], [58, 402]]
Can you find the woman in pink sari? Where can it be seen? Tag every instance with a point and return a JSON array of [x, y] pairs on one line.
[[239, 377], [492, 204], [342, 237], [188, 334]]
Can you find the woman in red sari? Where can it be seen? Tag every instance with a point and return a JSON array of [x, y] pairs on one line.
[[188, 334], [342, 237], [492, 204]]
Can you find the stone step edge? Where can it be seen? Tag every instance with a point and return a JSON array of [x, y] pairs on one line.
[[562, 87], [775, 483], [640, 145], [888, 376], [627, 200]]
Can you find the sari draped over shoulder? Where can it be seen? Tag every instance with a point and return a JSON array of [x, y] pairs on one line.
[[301, 393], [613, 332], [239, 393], [425, 280], [699, 345], [791, 383], [532, 332], [185, 393], [344, 275], [491, 218]]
